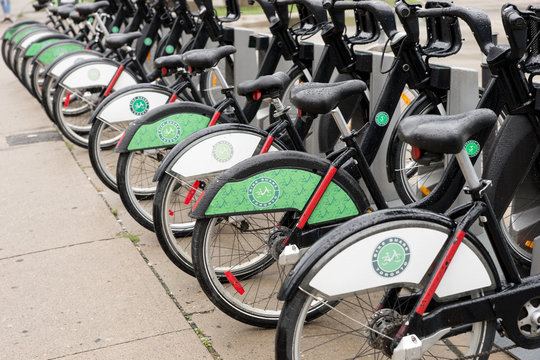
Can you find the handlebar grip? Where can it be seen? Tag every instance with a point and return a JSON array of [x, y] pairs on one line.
[[403, 10], [327, 4], [517, 21]]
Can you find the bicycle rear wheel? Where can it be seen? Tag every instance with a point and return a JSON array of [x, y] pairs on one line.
[[235, 257], [362, 325]]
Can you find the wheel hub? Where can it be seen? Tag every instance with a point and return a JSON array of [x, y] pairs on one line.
[[387, 323], [529, 318], [275, 239]]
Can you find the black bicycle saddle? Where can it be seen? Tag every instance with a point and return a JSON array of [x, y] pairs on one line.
[[321, 98], [267, 85], [168, 61], [444, 134], [86, 9], [116, 41], [201, 59]]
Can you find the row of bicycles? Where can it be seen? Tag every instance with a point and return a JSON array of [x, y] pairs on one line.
[[307, 243]]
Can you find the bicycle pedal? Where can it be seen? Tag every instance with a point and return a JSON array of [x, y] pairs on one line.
[[289, 255]]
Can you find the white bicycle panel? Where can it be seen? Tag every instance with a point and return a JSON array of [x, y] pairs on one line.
[[69, 60], [204, 157], [357, 267], [124, 107], [97, 74], [32, 38]]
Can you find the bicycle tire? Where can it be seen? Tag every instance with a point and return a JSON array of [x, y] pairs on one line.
[[101, 141], [356, 311], [245, 260]]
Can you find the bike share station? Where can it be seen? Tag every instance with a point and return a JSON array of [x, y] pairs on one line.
[[462, 96]]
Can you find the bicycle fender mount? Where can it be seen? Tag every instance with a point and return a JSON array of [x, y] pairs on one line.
[[264, 184]]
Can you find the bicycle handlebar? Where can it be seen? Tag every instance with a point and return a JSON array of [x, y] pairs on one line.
[[314, 6], [383, 12], [476, 19]]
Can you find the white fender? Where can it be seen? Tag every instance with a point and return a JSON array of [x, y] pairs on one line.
[[32, 38], [356, 268], [69, 60], [130, 106], [97, 74], [216, 153]]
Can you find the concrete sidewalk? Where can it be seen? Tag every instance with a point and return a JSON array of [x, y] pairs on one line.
[[72, 284]]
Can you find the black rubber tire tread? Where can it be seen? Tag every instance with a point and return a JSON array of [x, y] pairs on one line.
[[129, 203], [94, 152]]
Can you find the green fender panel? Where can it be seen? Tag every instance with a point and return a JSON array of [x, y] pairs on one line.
[[282, 189], [167, 131], [21, 35], [12, 31], [49, 55], [36, 47]]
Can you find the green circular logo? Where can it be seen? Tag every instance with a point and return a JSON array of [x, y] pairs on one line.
[[147, 41], [263, 192], [115, 29], [391, 257], [91, 20], [472, 147], [93, 74], [169, 49], [222, 151], [139, 105], [382, 118], [169, 131]]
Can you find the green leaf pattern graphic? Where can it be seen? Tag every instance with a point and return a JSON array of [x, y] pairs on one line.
[[49, 55], [147, 136], [21, 35], [36, 47], [295, 189], [334, 204]]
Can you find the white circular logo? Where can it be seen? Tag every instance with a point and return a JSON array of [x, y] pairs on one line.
[[169, 131]]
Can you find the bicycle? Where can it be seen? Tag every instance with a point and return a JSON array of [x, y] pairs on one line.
[[428, 287]]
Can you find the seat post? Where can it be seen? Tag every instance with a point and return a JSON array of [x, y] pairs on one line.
[[467, 169], [278, 105], [341, 123], [220, 77]]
